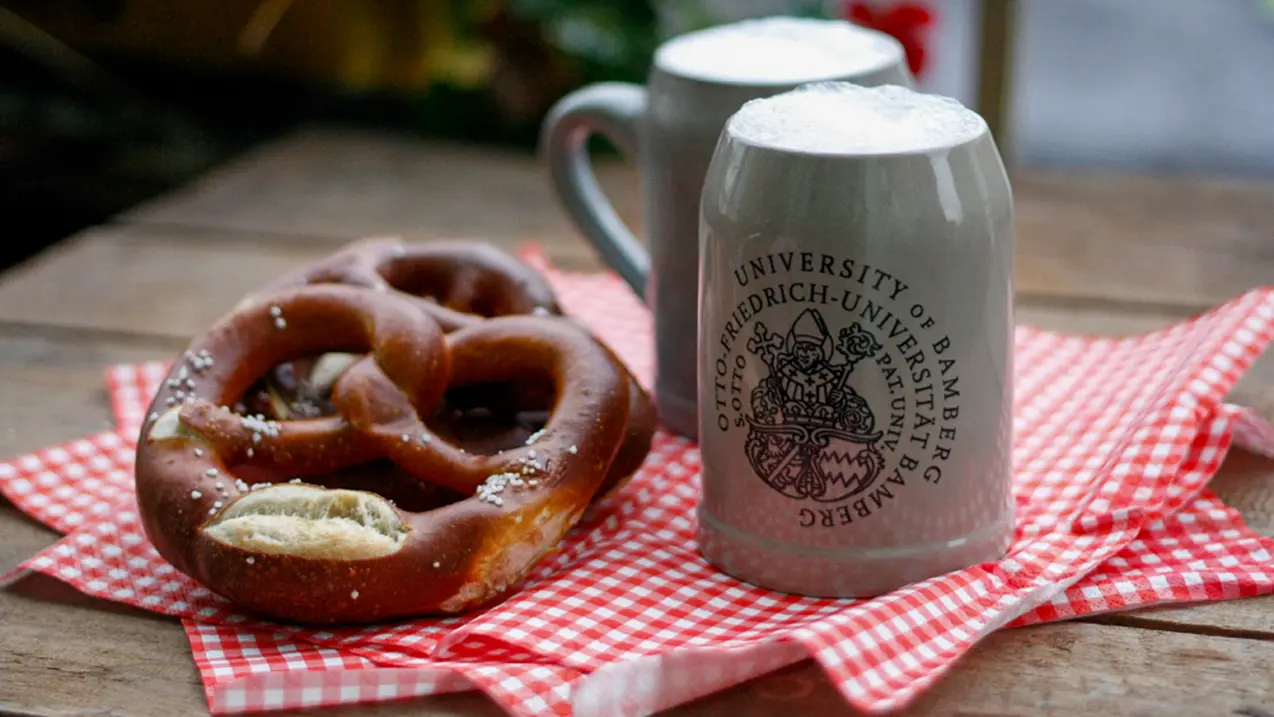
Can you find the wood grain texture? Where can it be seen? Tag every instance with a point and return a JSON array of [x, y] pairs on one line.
[[52, 386], [1248, 481], [334, 184], [165, 281], [1184, 241], [1249, 618], [144, 283], [1059, 669]]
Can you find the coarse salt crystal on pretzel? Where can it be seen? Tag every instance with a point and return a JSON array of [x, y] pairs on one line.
[[217, 494]]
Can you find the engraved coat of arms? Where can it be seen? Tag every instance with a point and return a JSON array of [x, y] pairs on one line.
[[810, 435]]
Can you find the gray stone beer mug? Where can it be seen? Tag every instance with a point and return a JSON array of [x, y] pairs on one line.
[[669, 128], [856, 329]]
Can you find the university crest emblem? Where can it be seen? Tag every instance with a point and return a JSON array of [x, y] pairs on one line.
[[810, 435]]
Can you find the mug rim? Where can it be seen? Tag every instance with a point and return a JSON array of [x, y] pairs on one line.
[[983, 134], [896, 56]]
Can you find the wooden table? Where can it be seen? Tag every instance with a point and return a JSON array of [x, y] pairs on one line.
[[1097, 254]]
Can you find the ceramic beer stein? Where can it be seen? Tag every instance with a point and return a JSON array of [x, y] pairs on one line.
[[669, 128], [856, 328]]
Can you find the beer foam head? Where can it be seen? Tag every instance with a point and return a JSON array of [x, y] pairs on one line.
[[778, 50], [843, 118]]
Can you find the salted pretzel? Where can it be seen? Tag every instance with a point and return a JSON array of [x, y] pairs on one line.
[[459, 283], [270, 514]]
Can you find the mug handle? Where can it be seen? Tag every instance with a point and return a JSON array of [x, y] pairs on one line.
[[613, 110]]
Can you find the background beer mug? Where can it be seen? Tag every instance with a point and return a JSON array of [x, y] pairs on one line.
[[856, 336], [669, 128]]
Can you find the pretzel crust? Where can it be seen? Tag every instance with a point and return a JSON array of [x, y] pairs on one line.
[[298, 550]]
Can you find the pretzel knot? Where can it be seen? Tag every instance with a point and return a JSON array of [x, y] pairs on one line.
[[459, 284], [280, 515]]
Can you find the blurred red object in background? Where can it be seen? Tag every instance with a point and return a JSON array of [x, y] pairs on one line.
[[908, 22]]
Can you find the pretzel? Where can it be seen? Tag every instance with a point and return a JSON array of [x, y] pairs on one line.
[[458, 283], [270, 514]]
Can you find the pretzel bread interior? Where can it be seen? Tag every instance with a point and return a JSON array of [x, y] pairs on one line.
[[311, 522]]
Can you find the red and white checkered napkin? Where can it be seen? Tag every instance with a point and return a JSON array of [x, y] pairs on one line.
[[1114, 443]]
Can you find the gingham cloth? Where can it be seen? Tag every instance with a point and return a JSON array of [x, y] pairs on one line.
[[1114, 442]]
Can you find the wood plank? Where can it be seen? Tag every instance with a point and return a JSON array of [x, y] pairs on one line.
[[337, 183], [1096, 265], [1187, 241], [1251, 618], [1148, 209], [53, 387], [165, 281], [1059, 669], [145, 283], [1247, 483], [117, 662]]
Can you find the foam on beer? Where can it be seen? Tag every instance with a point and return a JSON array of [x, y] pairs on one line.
[[778, 50], [843, 118]]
